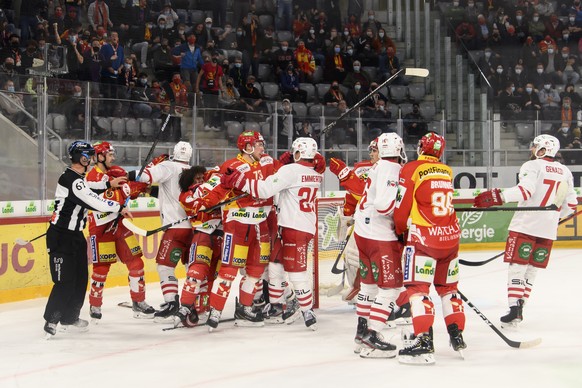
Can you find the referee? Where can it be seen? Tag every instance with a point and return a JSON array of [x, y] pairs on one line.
[[66, 244]]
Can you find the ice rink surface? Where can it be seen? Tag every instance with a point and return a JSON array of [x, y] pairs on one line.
[[122, 351]]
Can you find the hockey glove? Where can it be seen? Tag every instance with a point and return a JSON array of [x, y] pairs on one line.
[[286, 158], [158, 159], [339, 168], [319, 163], [234, 179], [488, 198]]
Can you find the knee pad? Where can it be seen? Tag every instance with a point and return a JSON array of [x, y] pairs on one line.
[[227, 273], [421, 305], [135, 267], [255, 271], [100, 272]]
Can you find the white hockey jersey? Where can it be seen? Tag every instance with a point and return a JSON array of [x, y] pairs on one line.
[[542, 182], [167, 174], [373, 217], [297, 185]]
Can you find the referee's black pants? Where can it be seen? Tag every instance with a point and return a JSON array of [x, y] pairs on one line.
[[67, 252]]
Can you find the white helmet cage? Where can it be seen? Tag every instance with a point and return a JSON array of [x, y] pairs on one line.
[[390, 145], [547, 142], [182, 151], [306, 146]]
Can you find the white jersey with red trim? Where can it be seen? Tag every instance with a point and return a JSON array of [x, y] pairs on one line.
[[539, 180], [373, 217], [297, 185], [167, 175]]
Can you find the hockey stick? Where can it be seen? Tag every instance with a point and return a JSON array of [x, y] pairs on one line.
[[196, 325], [480, 263], [507, 209], [153, 147], [20, 241], [334, 269], [410, 71], [142, 232], [513, 344], [339, 288]]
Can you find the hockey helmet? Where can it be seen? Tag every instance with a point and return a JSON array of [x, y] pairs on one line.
[[549, 143], [390, 145], [79, 149], [431, 144], [373, 145], [103, 147], [248, 137], [306, 146], [182, 152], [116, 172]]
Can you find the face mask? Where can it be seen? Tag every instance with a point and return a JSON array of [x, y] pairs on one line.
[[535, 19], [284, 48], [518, 18], [337, 50], [540, 71], [335, 87], [499, 71], [229, 84], [550, 51], [518, 71], [371, 17], [143, 81], [162, 26], [565, 129], [127, 65], [10, 88], [312, 31], [356, 68], [239, 33], [567, 106], [77, 94], [455, 3], [346, 33], [208, 25], [357, 88], [237, 65], [350, 51], [250, 85], [471, 4], [73, 38], [512, 89], [547, 86], [529, 90], [95, 49], [565, 36], [565, 56], [381, 107], [572, 19], [487, 54], [181, 32], [381, 34]]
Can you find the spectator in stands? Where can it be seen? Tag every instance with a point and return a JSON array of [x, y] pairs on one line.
[[127, 81], [265, 46], [550, 99], [572, 28], [545, 44], [519, 78], [238, 73], [487, 63], [229, 98], [112, 58], [91, 69], [554, 27], [471, 12], [57, 22], [74, 52], [345, 130], [372, 23], [333, 39], [454, 14], [521, 26], [544, 7], [30, 55], [355, 94], [358, 75], [301, 25], [371, 103], [286, 119], [139, 93], [530, 55], [289, 83], [74, 111], [314, 43], [571, 93], [12, 106], [352, 27], [283, 57], [482, 32], [390, 65], [568, 67], [531, 104], [320, 25], [208, 85], [305, 130], [12, 50], [252, 98], [573, 155], [333, 13], [190, 59], [564, 134], [248, 43], [170, 16], [284, 19], [466, 36], [208, 32], [536, 27], [377, 120], [180, 98], [305, 62], [382, 42], [98, 15], [334, 95], [415, 125], [336, 65], [509, 104], [552, 64], [539, 78], [164, 62], [121, 17]]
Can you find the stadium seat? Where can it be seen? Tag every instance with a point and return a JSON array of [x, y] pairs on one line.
[[427, 110], [148, 129], [318, 75], [50, 120], [321, 89], [232, 54], [525, 132], [300, 109], [285, 36], [132, 129], [265, 72], [270, 90], [197, 16], [405, 108], [310, 89], [183, 16], [416, 92], [233, 130], [372, 72], [60, 124], [131, 156], [104, 126], [393, 109], [251, 126], [315, 111], [117, 128], [266, 21], [398, 93]]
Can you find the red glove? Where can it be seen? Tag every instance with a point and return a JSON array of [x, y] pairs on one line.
[[488, 198], [158, 159], [319, 163], [286, 158], [339, 168], [233, 179]]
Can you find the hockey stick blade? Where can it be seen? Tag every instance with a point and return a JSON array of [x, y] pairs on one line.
[[334, 269], [22, 242], [134, 228], [506, 209], [513, 344], [337, 289], [416, 72], [196, 325]]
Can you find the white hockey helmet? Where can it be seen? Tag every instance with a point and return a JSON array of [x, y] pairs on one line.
[[390, 145], [547, 142], [182, 152], [306, 146]]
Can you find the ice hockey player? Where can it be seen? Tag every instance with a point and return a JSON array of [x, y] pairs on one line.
[[66, 244], [297, 185], [246, 233], [175, 243], [542, 181], [110, 240], [205, 248], [424, 211]]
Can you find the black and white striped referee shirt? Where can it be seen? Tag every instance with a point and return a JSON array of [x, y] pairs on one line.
[[73, 198]]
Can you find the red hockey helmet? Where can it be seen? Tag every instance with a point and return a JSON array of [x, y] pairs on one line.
[[116, 172], [103, 147], [248, 137], [431, 144]]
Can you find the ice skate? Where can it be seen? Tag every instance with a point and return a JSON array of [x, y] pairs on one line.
[[402, 316], [292, 311], [188, 316], [514, 316], [50, 330], [142, 310], [95, 314], [374, 346], [310, 319], [245, 316], [456, 337], [360, 332], [420, 352], [79, 326], [213, 319], [259, 304], [167, 311], [273, 313]]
